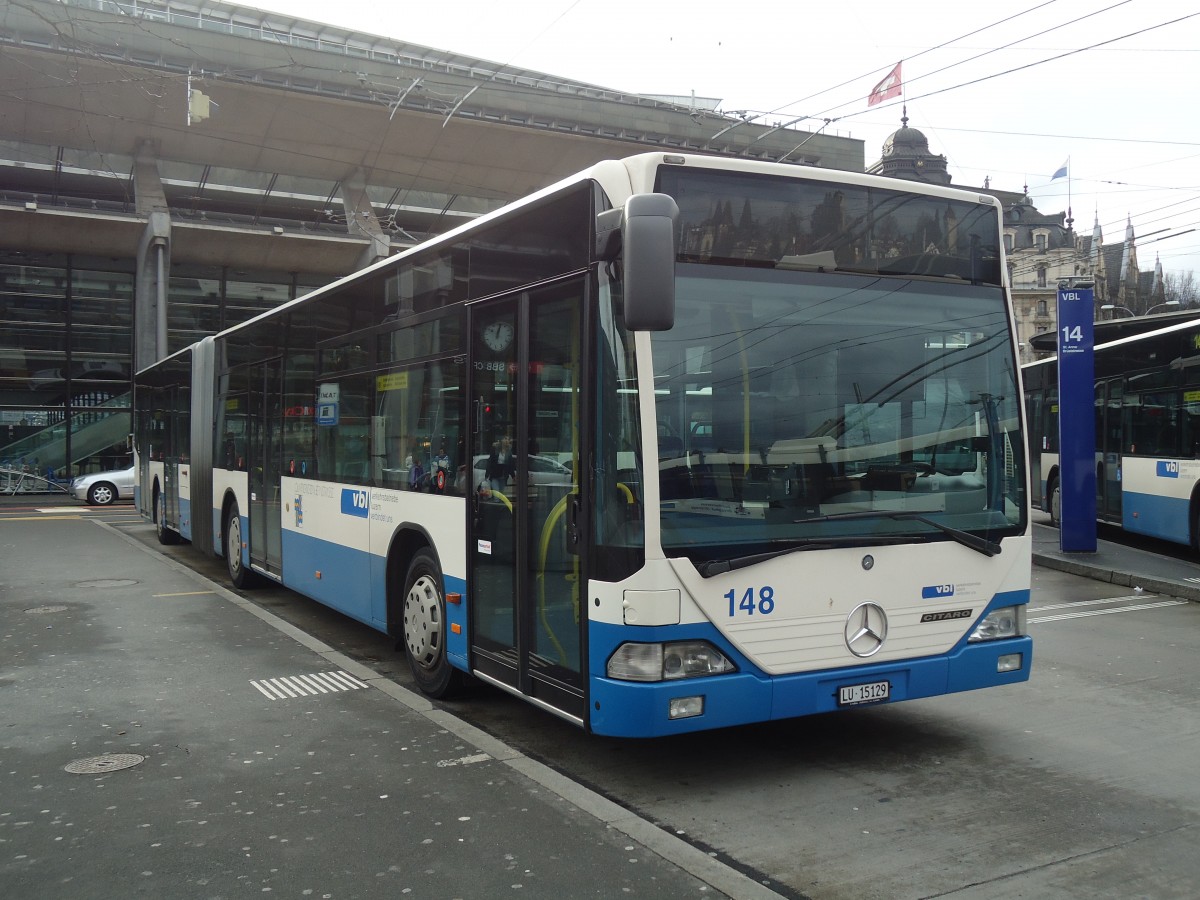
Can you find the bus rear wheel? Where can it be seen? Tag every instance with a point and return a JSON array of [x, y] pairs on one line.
[[165, 535], [1055, 494], [425, 628]]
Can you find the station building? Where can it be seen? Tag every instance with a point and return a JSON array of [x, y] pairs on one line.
[[169, 169]]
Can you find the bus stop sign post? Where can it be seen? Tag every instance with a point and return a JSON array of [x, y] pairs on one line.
[[1076, 420]]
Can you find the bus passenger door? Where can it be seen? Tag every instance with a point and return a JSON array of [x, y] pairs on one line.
[[1033, 416], [526, 407], [264, 467], [1110, 398], [176, 422]]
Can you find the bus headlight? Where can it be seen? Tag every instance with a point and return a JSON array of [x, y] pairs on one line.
[[1005, 622], [667, 662]]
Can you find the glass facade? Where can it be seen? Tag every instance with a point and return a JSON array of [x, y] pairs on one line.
[[66, 349], [66, 338]]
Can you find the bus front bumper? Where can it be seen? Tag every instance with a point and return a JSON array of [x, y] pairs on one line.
[[635, 709]]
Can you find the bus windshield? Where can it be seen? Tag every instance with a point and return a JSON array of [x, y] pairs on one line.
[[817, 409]]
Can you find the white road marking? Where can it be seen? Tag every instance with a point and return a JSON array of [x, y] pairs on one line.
[[1108, 612], [291, 686], [1138, 597], [464, 760]]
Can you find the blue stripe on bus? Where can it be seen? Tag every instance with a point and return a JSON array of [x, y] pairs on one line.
[[337, 576], [1161, 517], [354, 583], [635, 709]]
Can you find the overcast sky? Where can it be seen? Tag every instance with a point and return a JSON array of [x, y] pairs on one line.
[[982, 81]]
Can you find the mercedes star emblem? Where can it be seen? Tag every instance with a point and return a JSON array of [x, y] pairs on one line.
[[866, 629]]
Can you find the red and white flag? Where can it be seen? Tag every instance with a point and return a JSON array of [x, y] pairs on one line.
[[886, 89]]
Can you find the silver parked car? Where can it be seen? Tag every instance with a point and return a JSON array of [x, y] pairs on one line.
[[543, 470], [103, 488]]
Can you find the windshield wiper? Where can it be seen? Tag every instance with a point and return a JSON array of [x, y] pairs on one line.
[[720, 566], [980, 545]]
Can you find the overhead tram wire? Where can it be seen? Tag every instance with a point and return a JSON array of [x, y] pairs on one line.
[[1065, 54], [1019, 40], [490, 78], [1011, 44], [829, 121], [1072, 137], [1039, 62], [914, 56]]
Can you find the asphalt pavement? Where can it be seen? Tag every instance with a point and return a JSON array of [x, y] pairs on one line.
[[161, 735]]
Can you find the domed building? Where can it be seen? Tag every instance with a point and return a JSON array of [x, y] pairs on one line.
[[1041, 249], [906, 155]]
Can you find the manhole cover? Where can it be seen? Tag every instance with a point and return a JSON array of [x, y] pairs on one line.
[[106, 582], [42, 610], [109, 762]]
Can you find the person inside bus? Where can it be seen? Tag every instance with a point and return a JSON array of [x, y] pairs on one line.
[[500, 465], [416, 472]]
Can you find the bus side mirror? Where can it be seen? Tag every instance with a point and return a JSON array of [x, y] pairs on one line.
[[644, 237]]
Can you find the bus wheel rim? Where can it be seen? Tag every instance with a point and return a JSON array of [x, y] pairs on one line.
[[235, 543], [423, 622]]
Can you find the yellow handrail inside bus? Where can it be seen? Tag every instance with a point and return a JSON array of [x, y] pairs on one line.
[[544, 552], [502, 497]]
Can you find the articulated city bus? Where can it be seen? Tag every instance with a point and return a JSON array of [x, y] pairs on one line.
[[674, 444], [1147, 405]]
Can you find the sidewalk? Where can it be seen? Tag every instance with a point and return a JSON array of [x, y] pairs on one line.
[[156, 738], [1118, 564]]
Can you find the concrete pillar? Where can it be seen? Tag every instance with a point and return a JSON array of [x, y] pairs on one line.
[[361, 220], [153, 260]]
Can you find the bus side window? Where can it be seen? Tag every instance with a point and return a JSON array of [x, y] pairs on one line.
[[417, 426], [344, 438]]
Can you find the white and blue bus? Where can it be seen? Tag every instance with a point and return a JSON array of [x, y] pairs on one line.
[[1147, 413], [674, 444]]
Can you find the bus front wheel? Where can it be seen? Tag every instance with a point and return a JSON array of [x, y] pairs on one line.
[[1055, 493], [425, 628], [238, 573]]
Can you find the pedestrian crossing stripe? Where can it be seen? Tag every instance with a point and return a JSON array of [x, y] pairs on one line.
[[289, 687]]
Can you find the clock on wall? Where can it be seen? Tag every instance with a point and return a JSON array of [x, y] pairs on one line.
[[498, 335]]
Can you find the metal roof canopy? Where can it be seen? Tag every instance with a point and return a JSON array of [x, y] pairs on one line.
[[302, 100]]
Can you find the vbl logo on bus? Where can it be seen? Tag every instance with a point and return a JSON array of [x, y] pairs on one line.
[[937, 591], [1168, 469], [355, 502]]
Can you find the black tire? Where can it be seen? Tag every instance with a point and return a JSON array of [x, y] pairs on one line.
[[1054, 502], [239, 574], [165, 535], [102, 493], [423, 608]]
